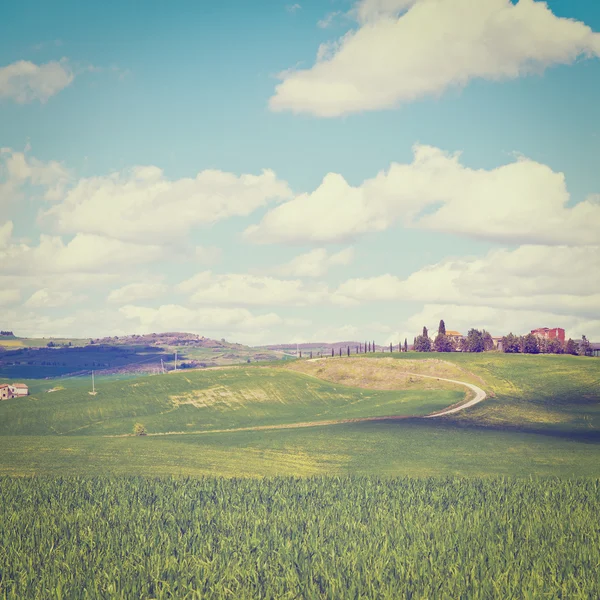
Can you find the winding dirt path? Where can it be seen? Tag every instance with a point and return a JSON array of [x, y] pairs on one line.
[[479, 396]]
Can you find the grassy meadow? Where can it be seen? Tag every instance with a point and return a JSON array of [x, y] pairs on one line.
[[330, 538]]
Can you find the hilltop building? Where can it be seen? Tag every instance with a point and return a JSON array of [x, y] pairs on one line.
[[558, 333], [455, 336]]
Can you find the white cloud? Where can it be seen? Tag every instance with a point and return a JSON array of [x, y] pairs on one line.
[[142, 205], [292, 8], [9, 296], [47, 298], [396, 58], [315, 263], [24, 81], [173, 317], [328, 19], [520, 202], [83, 254], [241, 289], [553, 279], [18, 169], [136, 291]]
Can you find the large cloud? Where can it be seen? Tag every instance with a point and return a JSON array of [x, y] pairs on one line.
[[142, 205], [24, 81], [521, 202], [396, 58], [85, 253], [242, 289], [558, 280]]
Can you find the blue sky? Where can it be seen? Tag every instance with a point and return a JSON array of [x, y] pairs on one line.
[[489, 218]]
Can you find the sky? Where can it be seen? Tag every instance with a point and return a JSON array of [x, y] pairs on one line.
[[274, 172]]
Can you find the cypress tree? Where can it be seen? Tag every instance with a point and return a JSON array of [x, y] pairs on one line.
[[391, 347], [442, 328], [405, 345], [348, 350], [425, 332], [332, 352]]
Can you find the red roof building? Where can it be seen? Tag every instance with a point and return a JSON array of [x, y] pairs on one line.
[[558, 333]]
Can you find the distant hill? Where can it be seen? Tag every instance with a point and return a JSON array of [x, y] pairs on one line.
[[148, 353]]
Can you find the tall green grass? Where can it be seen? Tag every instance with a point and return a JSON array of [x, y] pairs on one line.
[[299, 538]]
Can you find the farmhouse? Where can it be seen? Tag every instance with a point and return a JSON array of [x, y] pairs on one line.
[[19, 389], [13, 390], [558, 333]]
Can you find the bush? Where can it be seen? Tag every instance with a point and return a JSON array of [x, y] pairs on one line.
[[139, 429]]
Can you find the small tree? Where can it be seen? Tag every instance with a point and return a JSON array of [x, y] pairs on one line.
[[510, 344], [139, 429], [474, 341], [571, 347], [443, 343], [405, 345], [422, 344], [425, 334], [555, 346], [530, 344], [442, 328], [585, 348], [488, 342]]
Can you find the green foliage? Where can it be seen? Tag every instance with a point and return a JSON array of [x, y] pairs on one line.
[[361, 537], [511, 344], [425, 334], [585, 348], [443, 343], [474, 341], [488, 342], [442, 328], [405, 345], [571, 347], [530, 344], [139, 429], [422, 344]]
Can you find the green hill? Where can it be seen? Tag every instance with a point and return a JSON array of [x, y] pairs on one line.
[[542, 417], [207, 400]]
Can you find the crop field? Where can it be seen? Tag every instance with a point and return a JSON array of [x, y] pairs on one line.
[[290, 538]]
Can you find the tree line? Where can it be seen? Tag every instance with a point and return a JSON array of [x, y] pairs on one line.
[[481, 341]]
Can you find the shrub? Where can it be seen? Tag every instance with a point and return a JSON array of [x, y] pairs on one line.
[[139, 429]]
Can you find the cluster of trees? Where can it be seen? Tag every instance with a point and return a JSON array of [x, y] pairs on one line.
[[481, 341], [476, 341], [7, 333], [531, 344]]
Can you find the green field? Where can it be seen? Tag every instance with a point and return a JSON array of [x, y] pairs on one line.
[[542, 417], [292, 538]]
